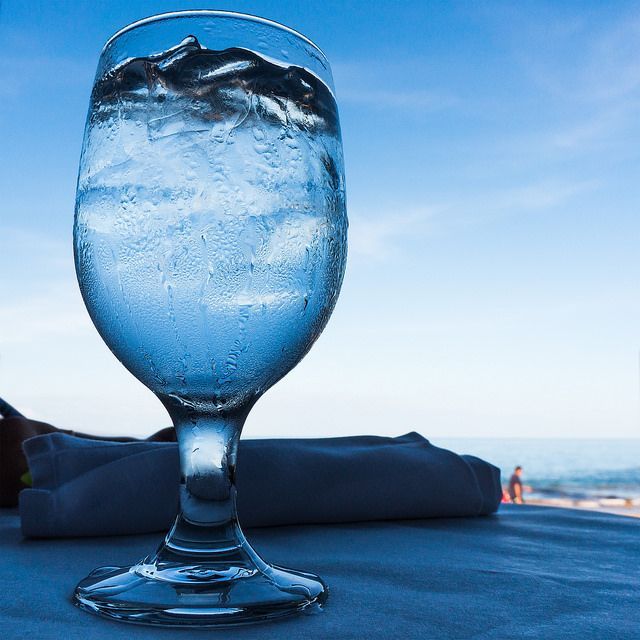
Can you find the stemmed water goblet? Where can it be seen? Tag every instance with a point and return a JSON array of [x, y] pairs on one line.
[[210, 246]]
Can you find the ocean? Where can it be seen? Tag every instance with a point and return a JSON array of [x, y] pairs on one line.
[[574, 469]]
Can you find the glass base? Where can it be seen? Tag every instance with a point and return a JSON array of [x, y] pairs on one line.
[[199, 595]]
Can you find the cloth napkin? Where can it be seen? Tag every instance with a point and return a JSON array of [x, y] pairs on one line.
[[84, 487], [16, 428]]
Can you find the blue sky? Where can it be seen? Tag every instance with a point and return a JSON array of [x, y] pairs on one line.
[[492, 166]]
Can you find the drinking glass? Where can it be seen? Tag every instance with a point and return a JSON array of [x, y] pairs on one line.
[[210, 246]]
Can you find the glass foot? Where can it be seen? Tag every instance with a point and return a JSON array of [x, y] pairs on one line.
[[199, 595]]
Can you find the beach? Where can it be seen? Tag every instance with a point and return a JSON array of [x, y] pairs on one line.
[[615, 506], [588, 474]]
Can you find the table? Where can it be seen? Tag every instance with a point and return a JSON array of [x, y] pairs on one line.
[[527, 572]]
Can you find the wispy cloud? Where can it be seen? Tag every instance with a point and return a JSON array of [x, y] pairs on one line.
[[612, 67], [592, 56], [53, 314], [533, 197], [589, 131], [20, 74], [34, 258], [384, 234], [580, 70], [23, 66], [388, 85], [392, 99], [379, 236], [38, 293]]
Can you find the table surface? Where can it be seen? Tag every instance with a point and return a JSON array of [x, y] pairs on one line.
[[528, 572]]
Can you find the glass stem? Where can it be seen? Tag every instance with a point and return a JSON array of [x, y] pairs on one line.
[[207, 524]]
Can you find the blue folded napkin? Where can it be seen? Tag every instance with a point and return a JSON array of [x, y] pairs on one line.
[[85, 487]]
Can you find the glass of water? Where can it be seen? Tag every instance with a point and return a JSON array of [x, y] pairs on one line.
[[210, 244]]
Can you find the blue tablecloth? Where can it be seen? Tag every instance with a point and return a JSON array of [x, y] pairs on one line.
[[528, 572]]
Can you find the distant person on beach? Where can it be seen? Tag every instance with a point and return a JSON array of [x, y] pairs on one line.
[[515, 486]]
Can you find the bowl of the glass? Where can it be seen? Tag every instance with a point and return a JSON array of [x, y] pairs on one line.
[[210, 228]]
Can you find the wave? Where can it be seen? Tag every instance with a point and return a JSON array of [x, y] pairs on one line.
[[615, 483]]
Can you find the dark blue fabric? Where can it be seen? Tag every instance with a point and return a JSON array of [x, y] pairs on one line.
[[84, 487], [7, 411], [527, 572]]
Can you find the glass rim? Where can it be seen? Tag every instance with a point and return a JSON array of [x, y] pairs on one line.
[[194, 13]]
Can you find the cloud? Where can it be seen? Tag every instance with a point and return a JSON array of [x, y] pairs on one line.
[[27, 68], [53, 314], [38, 291], [582, 71], [390, 85], [31, 260], [536, 196], [19, 74], [612, 67], [396, 99], [588, 56], [575, 137], [35, 242], [382, 235]]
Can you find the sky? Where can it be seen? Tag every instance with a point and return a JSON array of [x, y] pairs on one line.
[[492, 165]]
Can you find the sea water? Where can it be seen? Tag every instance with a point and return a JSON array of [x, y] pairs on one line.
[[562, 467], [210, 232]]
